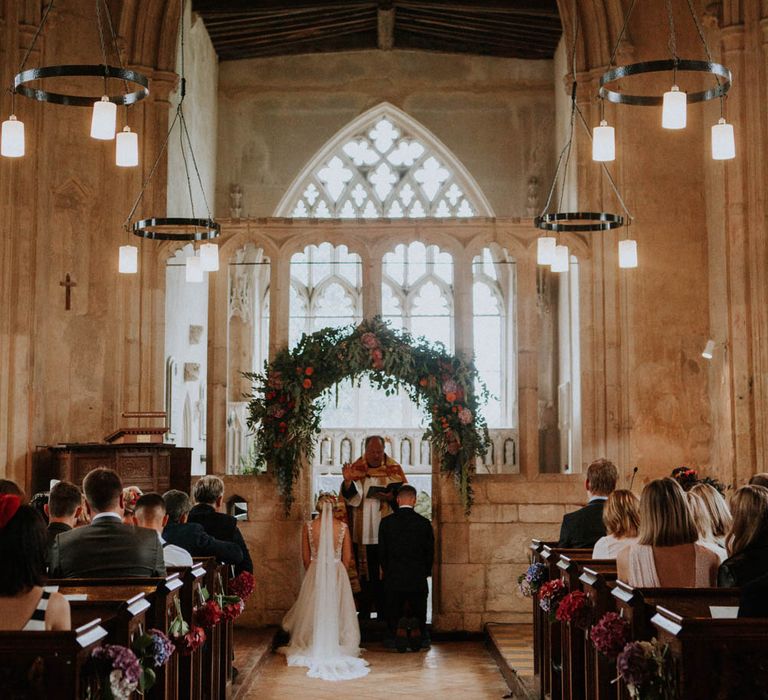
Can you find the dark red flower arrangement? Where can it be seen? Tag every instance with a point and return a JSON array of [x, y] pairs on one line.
[[208, 614], [610, 634], [242, 585], [574, 607], [550, 595]]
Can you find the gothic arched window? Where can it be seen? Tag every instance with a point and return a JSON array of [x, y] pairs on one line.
[[384, 165]]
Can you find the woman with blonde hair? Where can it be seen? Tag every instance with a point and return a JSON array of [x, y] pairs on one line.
[[325, 634], [747, 541], [667, 553], [621, 518], [702, 519], [719, 512]]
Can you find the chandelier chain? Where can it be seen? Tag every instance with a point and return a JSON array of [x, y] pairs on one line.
[[621, 33], [115, 43], [186, 164], [194, 164], [102, 44], [672, 42], [38, 31]]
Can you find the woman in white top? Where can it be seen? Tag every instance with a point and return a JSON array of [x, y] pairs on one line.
[[702, 518], [667, 553], [621, 518], [719, 512]]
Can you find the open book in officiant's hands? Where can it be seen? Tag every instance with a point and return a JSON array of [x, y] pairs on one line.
[[383, 491]]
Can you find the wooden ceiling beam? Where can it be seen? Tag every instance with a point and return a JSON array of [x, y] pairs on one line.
[[530, 8], [342, 42], [212, 23], [480, 34], [485, 40], [307, 34], [496, 24], [278, 6]]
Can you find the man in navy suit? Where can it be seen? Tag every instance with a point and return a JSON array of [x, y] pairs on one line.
[[192, 536], [582, 528], [406, 554]]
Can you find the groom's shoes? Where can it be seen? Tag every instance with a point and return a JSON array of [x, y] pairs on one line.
[[414, 636], [401, 635]]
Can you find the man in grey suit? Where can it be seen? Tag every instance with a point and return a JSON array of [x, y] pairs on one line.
[[107, 548]]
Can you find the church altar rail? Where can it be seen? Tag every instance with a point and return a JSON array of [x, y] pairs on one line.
[[713, 658], [572, 647], [551, 660], [597, 582], [150, 466], [535, 549], [47, 665], [161, 593]]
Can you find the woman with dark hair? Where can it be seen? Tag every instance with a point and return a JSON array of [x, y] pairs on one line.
[[25, 604], [747, 540]]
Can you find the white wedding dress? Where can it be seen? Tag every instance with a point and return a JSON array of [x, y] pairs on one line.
[[325, 634]]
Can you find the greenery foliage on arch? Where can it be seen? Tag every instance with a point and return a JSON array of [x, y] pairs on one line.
[[288, 397]]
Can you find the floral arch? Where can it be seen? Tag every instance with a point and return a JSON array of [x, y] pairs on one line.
[[288, 397], [384, 164]]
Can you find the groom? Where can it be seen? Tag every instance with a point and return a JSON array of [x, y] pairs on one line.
[[370, 486]]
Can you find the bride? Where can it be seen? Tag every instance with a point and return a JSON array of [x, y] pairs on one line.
[[325, 635]]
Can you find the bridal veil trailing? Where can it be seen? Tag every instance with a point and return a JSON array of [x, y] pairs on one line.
[[325, 634]]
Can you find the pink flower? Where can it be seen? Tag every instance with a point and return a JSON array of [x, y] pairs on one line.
[[369, 340], [450, 387], [465, 416], [377, 354]]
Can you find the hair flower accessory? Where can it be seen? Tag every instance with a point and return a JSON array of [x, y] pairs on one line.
[[9, 504]]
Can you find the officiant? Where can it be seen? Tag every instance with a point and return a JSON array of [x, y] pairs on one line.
[[370, 488]]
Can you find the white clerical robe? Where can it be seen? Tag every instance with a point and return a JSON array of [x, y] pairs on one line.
[[369, 532]]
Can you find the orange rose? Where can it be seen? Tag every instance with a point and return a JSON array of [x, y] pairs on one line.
[[450, 397], [309, 371]]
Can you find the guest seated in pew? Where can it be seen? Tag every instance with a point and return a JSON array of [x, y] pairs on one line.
[[667, 553], [150, 513], [191, 536], [702, 519], [64, 509], [759, 479], [719, 512], [131, 494], [621, 517], [13, 489], [107, 548], [747, 542], [39, 502], [25, 604], [209, 500], [582, 528], [754, 598]]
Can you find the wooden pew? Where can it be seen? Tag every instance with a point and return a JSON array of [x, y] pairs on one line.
[[214, 686], [123, 619], [597, 582], [573, 650], [160, 593], [713, 658], [227, 635], [47, 665], [190, 667], [535, 549], [551, 660]]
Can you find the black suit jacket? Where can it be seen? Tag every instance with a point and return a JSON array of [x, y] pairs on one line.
[[193, 538], [222, 527], [754, 598], [406, 550], [582, 528], [107, 549], [56, 529], [741, 568]]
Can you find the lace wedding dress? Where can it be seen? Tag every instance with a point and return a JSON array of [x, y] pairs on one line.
[[325, 634]]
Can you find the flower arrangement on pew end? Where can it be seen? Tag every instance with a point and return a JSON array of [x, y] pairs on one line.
[[529, 582], [646, 669], [153, 650], [186, 639], [550, 595], [610, 634], [114, 673], [288, 397], [574, 608]]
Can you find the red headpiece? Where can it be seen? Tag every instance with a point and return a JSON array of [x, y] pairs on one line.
[[9, 504]]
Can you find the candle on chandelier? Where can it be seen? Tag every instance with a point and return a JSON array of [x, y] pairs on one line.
[[723, 142], [603, 142], [673, 113], [545, 250], [628, 253], [104, 119], [129, 259], [127, 148], [12, 138], [560, 259]]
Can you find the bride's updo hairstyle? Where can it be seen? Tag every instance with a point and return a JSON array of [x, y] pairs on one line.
[[325, 497]]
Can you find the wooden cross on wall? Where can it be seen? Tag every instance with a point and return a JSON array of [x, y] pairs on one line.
[[68, 283]]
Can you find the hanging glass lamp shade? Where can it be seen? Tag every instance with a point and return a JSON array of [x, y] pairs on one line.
[[193, 271], [674, 108], [603, 142], [545, 250], [708, 350], [723, 142], [628, 253], [209, 257], [129, 259], [104, 119], [560, 259], [12, 138], [127, 148]]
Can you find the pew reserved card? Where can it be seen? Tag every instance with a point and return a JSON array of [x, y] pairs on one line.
[[724, 611]]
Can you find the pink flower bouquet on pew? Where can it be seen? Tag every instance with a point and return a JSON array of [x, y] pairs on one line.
[[115, 673], [610, 634]]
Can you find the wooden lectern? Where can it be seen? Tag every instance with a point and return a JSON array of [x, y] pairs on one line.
[[137, 454]]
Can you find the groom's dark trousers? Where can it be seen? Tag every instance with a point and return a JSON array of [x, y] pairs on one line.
[[406, 554]]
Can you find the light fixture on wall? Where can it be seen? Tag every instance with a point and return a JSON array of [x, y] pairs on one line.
[[674, 101], [550, 250], [180, 228], [627, 253], [129, 260], [103, 106]]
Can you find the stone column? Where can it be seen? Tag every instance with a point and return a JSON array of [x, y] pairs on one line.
[[372, 276], [462, 304], [279, 303]]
